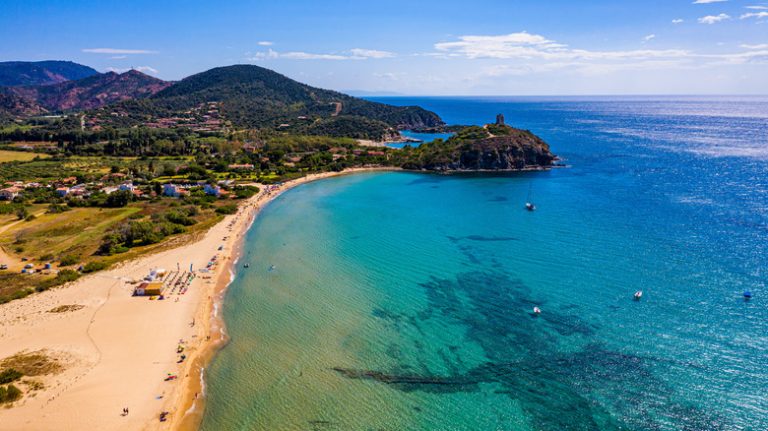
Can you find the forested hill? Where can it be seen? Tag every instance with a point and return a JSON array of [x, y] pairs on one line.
[[16, 73], [253, 96], [215, 101]]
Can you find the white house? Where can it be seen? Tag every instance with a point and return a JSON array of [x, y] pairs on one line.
[[9, 193]]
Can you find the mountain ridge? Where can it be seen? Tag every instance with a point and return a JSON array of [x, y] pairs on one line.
[[25, 73], [91, 92]]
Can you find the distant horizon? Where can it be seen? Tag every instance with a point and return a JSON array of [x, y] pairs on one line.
[[440, 48], [362, 93]]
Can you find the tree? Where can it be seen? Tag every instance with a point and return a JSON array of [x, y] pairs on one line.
[[118, 199], [22, 213]]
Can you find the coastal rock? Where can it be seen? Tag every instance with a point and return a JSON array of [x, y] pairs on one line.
[[491, 148]]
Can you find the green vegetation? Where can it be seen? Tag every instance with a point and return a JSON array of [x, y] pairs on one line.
[[25, 364], [94, 265], [89, 189], [227, 209], [23, 156], [64, 276], [35, 363], [9, 394], [255, 97], [9, 376]]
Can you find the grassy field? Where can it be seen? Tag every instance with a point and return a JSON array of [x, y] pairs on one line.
[[77, 234], [19, 156], [53, 236]]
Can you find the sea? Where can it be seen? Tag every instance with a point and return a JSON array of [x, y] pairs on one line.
[[403, 301]]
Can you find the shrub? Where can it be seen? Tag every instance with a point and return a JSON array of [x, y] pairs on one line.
[[64, 276], [227, 209], [177, 217], [57, 208], [94, 266], [9, 376], [69, 259], [9, 394], [30, 217]]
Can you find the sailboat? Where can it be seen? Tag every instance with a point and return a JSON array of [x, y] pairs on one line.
[[529, 205]]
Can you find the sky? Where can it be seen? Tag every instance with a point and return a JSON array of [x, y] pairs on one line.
[[425, 47]]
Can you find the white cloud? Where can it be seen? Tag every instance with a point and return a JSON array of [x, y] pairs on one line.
[[143, 69], [298, 55], [756, 7], [118, 57], [708, 1], [649, 38], [677, 21], [758, 46], [711, 19], [757, 15], [524, 45], [118, 51], [264, 43], [352, 54], [529, 54], [371, 53]]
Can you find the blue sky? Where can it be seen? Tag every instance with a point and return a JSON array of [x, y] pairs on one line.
[[432, 47]]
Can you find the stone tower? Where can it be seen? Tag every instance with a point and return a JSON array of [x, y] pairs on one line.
[[500, 119]]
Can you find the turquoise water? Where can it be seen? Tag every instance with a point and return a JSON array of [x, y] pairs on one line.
[[403, 301]]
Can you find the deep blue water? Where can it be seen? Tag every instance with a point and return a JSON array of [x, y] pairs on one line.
[[402, 300]]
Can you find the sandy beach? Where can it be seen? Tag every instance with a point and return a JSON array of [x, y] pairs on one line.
[[117, 350]]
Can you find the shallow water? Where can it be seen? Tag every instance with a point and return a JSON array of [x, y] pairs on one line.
[[403, 301]]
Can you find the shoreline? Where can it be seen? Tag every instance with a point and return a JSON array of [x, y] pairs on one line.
[[191, 403], [110, 362], [116, 349]]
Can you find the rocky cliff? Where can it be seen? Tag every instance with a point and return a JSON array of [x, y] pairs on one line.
[[490, 148]]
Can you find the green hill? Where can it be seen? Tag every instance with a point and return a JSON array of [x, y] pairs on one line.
[[255, 97]]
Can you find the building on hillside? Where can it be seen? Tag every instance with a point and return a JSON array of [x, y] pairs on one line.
[[127, 186], [9, 193], [171, 190], [241, 167], [62, 191], [212, 190]]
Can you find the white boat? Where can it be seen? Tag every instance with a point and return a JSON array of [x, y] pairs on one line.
[[638, 295], [536, 310], [529, 205]]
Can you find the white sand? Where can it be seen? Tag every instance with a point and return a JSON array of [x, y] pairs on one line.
[[119, 348]]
